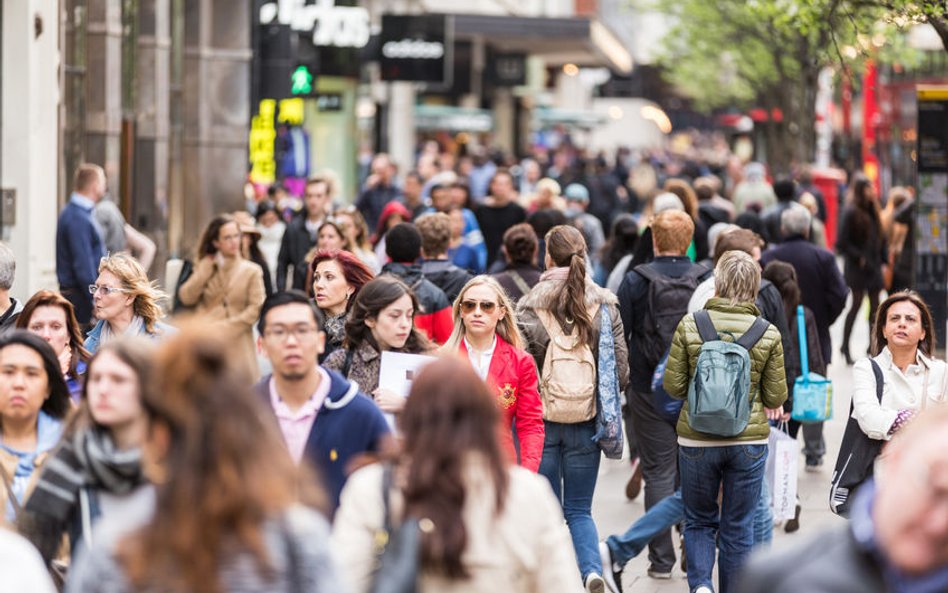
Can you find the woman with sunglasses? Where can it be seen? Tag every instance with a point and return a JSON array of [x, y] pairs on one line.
[[381, 319], [486, 334], [566, 303], [125, 302], [49, 315]]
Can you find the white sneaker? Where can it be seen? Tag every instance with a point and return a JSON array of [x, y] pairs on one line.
[[609, 572], [595, 583], [703, 589]]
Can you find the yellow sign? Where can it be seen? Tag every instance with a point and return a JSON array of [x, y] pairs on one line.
[[291, 112], [932, 93], [261, 148]]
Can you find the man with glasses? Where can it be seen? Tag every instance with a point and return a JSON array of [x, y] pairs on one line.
[[324, 418], [897, 537]]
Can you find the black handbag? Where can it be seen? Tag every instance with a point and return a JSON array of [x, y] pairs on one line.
[[398, 548], [857, 453]]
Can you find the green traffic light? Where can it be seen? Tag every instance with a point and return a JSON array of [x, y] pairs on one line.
[[301, 81]]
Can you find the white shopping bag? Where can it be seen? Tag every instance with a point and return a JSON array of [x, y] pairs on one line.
[[782, 458]]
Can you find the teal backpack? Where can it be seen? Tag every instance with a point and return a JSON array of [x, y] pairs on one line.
[[719, 393]]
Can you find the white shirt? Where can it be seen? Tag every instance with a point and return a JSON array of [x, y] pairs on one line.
[[701, 295], [901, 391], [481, 360]]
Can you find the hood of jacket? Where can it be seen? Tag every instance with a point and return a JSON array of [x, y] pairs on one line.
[[341, 390], [546, 295], [409, 273]]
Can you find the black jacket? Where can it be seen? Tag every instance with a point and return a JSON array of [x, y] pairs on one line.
[[863, 248], [446, 276], [296, 244], [822, 289]]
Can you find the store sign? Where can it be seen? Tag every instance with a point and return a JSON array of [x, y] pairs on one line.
[[327, 102], [332, 26], [508, 69], [416, 48], [261, 144]]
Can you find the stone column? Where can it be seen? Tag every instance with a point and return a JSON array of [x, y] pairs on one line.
[[103, 88], [401, 125]]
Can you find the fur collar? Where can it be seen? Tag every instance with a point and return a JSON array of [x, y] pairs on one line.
[[545, 295]]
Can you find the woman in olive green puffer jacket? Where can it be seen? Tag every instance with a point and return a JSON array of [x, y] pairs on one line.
[[768, 379]]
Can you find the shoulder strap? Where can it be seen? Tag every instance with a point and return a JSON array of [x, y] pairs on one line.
[[347, 364], [880, 380], [705, 326], [801, 337], [549, 323], [647, 271], [754, 333], [8, 484], [386, 494], [696, 271], [519, 281]]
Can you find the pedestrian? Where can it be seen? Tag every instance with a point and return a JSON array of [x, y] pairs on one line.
[[301, 234], [119, 236], [861, 242], [452, 199], [228, 512], [566, 306], [498, 212], [435, 229], [79, 242], [903, 348], [97, 469], [49, 315], [226, 289], [126, 303], [489, 525], [325, 420], [10, 307], [34, 400], [378, 191], [336, 279], [21, 566], [577, 202], [381, 320], [616, 254], [404, 249], [753, 190], [487, 335], [393, 214], [521, 273], [735, 462], [271, 229], [658, 290], [546, 196], [689, 200], [895, 538], [250, 246], [356, 232]]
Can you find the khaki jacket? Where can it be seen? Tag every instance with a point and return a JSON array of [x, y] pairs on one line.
[[768, 379]]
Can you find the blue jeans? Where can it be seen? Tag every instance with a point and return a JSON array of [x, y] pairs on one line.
[[661, 517], [571, 463], [738, 472], [763, 518]]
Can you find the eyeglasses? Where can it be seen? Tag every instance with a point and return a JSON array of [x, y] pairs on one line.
[[106, 290], [302, 333], [486, 306]]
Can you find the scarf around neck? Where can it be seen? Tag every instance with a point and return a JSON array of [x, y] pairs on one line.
[[555, 274], [135, 327]]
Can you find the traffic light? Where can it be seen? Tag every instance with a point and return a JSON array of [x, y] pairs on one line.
[[301, 81]]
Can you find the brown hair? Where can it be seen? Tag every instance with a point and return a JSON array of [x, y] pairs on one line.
[[435, 229], [567, 248], [672, 231], [687, 196], [221, 486], [449, 417], [48, 298], [520, 244], [926, 344], [369, 302], [737, 240], [212, 232], [784, 277], [86, 174]]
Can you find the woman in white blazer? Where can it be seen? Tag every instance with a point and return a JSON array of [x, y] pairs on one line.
[[903, 342]]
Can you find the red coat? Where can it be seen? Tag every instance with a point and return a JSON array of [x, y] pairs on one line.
[[512, 378]]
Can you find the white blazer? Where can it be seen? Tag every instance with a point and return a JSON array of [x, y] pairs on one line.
[[901, 391]]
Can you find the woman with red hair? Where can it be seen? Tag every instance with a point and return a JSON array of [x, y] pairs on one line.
[[334, 279]]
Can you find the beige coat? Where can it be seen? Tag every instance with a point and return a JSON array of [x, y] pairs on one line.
[[526, 549], [229, 296], [9, 462]]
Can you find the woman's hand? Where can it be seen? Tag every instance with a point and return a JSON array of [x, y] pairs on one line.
[[777, 414], [388, 401], [65, 358]]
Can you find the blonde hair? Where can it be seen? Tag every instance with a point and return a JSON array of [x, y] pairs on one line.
[[736, 277], [134, 279], [507, 326]]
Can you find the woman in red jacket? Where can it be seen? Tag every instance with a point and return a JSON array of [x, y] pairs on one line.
[[485, 331]]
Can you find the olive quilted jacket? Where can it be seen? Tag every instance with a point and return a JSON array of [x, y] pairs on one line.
[[768, 379]]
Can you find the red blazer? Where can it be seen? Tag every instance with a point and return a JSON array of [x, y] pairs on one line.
[[512, 378]]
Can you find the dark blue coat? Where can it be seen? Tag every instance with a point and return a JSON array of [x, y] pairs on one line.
[[347, 425], [79, 248]]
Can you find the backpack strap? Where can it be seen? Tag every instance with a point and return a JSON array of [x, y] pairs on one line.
[[696, 271], [754, 333], [647, 271], [549, 323], [880, 381], [705, 326], [518, 281]]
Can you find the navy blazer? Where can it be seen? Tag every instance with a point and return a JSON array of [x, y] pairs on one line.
[[79, 248], [348, 424]]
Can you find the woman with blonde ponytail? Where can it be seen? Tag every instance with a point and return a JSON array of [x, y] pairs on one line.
[[566, 308]]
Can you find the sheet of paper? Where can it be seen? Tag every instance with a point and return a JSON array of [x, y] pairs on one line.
[[398, 371]]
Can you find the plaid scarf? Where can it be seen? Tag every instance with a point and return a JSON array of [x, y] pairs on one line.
[[88, 458]]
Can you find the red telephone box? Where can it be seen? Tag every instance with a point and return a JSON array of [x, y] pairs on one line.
[[828, 181]]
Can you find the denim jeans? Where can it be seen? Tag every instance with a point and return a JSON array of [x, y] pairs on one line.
[[763, 517], [737, 471], [571, 464], [659, 518]]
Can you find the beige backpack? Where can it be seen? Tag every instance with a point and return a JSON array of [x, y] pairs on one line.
[[568, 379]]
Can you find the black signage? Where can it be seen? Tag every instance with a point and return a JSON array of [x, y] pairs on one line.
[[416, 48], [508, 69], [329, 102]]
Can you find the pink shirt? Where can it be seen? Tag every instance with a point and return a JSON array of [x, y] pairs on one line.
[[297, 425]]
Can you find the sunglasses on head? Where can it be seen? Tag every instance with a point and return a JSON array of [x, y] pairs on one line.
[[486, 306]]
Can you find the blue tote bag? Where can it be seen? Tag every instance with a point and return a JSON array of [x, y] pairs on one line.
[[812, 393]]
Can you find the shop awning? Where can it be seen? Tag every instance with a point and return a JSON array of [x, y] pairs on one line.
[[452, 119], [577, 40], [570, 117]]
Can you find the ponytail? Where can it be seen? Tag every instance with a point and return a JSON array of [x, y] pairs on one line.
[[567, 248]]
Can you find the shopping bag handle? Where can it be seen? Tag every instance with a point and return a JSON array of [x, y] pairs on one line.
[[804, 353]]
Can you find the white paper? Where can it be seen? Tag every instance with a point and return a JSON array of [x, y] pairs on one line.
[[398, 371]]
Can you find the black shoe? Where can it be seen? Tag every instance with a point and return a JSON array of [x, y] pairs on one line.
[[846, 356], [793, 524]]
